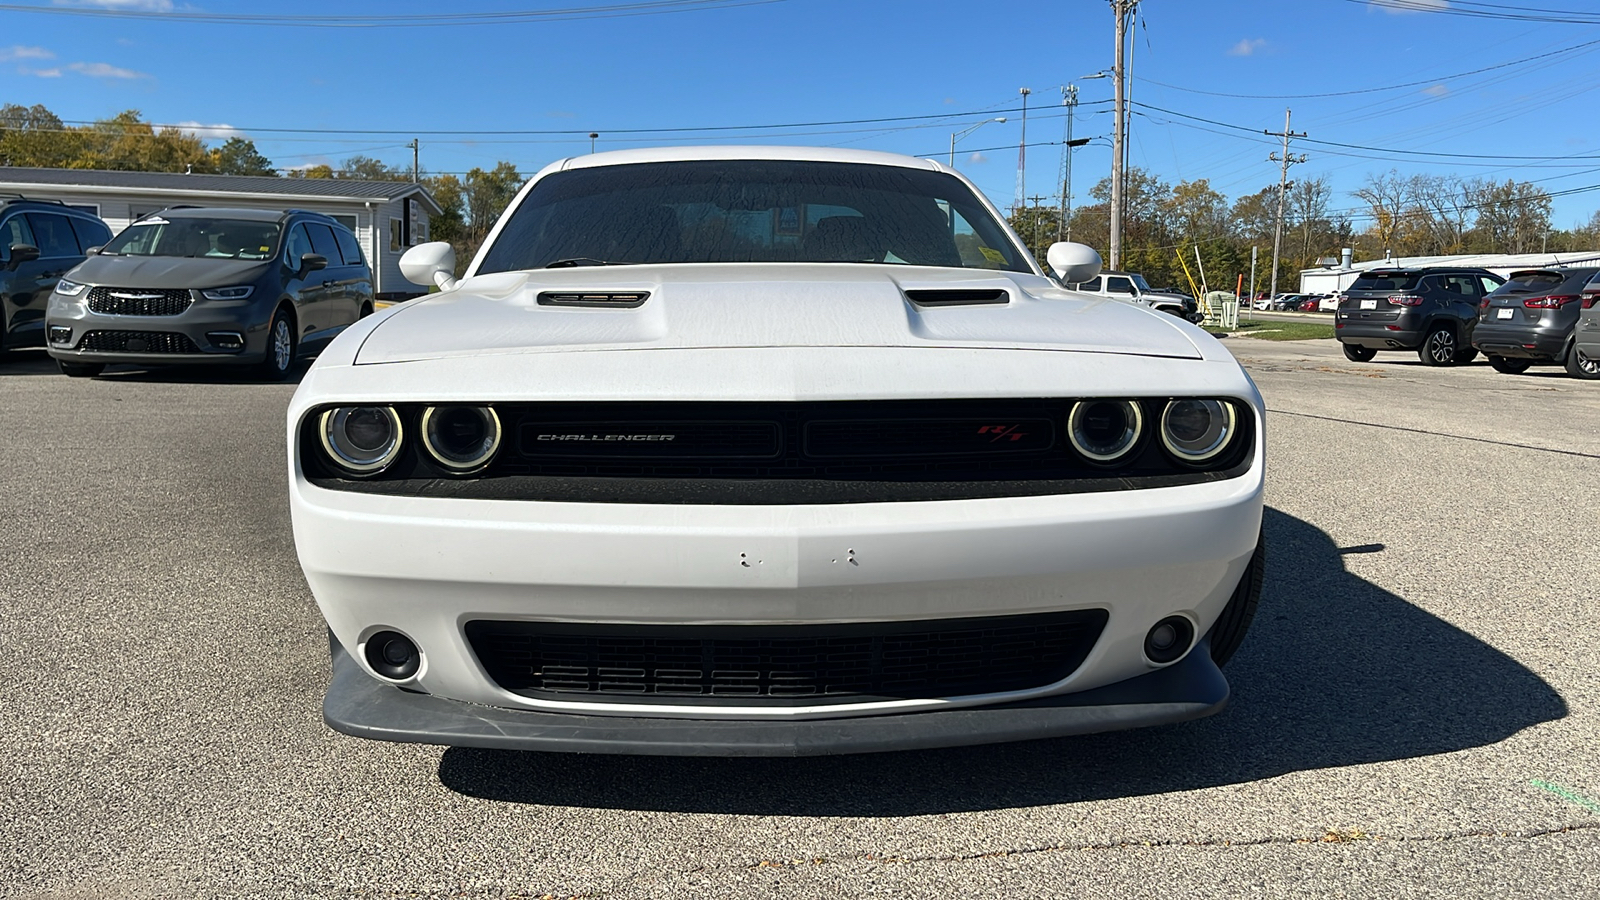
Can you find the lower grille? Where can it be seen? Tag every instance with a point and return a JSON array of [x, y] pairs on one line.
[[137, 342], [784, 664], [138, 301]]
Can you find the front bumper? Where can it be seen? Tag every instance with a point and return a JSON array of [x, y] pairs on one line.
[[197, 324], [358, 705]]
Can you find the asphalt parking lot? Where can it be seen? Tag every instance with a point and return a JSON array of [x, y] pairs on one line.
[[1415, 713]]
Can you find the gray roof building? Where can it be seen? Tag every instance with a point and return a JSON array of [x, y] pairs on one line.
[[387, 217]]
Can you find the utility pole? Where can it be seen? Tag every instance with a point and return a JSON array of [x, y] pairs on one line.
[[1035, 229], [1287, 159], [1069, 99], [416, 161], [1122, 9], [1022, 157], [1252, 280]]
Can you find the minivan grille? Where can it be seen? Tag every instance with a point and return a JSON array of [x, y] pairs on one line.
[[775, 664], [112, 301], [137, 342]]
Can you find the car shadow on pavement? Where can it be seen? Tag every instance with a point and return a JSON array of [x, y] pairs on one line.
[[1336, 671], [27, 362]]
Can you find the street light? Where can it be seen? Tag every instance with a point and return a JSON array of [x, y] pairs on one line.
[[961, 134]]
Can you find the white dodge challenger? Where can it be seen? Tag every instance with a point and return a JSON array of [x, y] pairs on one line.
[[771, 451]]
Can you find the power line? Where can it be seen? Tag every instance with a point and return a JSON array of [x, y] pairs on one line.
[[1393, 87], [435, 20], [1495, 11]]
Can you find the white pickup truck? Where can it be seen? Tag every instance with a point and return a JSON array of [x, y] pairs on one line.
[[1132, 287]]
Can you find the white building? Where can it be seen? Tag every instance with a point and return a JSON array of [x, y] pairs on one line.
[[1328, 279], [387, 216]]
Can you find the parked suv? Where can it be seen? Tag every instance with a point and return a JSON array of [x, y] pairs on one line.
[[1132, 286], [1529, 320], [1429, 310], [1584, 360], [211, 286], [39, 241]]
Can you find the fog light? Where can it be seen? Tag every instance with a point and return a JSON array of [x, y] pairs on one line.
[[393, 655], [1168, 639], [226, 340], [60, 334]]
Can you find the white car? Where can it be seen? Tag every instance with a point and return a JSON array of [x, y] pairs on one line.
[[771, 451]]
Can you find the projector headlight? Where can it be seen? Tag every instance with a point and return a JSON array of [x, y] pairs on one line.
[[362, 440], [1105, 431], [1195, 431], [461, 438]]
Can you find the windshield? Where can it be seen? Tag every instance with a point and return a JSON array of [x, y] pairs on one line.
[[1544, 281], [1143, 285], [752, 211], [196, 237]]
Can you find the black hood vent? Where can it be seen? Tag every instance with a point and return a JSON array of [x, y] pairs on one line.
[[960, 297], [595, 299]]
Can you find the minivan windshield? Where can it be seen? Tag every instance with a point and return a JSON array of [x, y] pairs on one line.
[[196, 237], [701, 211]]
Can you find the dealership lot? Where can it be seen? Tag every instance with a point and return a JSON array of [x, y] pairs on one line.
[[1415, 711]]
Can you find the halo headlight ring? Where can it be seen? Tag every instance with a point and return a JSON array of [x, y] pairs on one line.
[[1115, 448], [454, 461], [334, 429], [1199, 445]]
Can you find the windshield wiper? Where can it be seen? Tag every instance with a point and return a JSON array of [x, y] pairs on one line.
[[576, 261]]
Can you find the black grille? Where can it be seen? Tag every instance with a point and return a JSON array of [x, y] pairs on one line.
[[138, 301], [918, 438], [137, 342], [784, 664], [649, 440]]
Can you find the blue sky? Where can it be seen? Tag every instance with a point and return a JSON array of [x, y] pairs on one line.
[[799, 61]]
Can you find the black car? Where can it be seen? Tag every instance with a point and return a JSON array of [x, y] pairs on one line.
[[39, 241], [1530, 320], [1429, 310], [211, 286]]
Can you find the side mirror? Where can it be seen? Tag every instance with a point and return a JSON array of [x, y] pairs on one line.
[[21, 253], [432, 263], [311, 262], [94, 251], [1073, 263]]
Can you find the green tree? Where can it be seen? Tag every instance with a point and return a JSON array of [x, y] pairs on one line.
[[238, 156]]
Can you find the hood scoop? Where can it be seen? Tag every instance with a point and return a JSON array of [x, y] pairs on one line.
[[595, 299], [959, 297]]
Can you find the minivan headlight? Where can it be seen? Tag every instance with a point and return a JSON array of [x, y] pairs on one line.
[[228, 293], [362, 440], [1196, 430], [69, 288]]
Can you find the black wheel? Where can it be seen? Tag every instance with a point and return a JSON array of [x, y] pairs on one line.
[[1439, 348], [1509, 366], [1467, 354], [1582, 365], [1228, 632], [366, 310], [280, 348], [80, 370], [1358, 353]]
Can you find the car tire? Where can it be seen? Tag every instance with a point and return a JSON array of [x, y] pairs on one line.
[[280, 348], [80, 370], [1581, 365], [1228, 631], [1509, 366], [1358, 353], [366, 310], [1439, 348]]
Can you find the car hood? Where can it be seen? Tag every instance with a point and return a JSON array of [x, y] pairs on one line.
[[168, 271], [765, 305]]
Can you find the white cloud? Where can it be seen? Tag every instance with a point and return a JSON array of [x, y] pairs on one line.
[[7, 54], [218, 132], [104, 70], [1437, 90], [977, 159], [139, 5], [1247, 47], [1402, 7], [40, 73]]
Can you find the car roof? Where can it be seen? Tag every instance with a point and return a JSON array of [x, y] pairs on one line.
[[797, 154], [225, 212]]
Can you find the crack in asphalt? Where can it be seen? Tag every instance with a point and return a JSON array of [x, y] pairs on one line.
[[1443, 434]]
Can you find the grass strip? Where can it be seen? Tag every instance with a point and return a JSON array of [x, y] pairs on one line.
[[1280, 331]]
